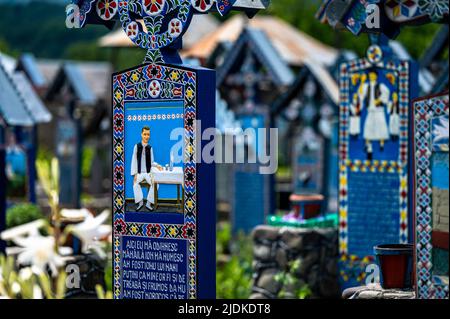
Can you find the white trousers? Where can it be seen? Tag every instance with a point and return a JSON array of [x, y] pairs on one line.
[[137, 188]]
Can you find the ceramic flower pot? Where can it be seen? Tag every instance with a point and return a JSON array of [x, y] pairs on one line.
[[396, 265]]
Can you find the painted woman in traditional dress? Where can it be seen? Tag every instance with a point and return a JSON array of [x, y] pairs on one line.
[[356, 107]]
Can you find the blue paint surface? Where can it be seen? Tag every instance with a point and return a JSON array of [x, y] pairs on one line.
[[372, 221], [254, 121], [439, 170], [249, 186], [249, 210], [16, 158], [159, 139], [154, 268]]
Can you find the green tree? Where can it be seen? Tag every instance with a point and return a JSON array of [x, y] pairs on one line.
[[301, 14]]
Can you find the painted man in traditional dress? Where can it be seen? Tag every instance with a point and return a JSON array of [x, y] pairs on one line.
[[376, 99], [141, 170]]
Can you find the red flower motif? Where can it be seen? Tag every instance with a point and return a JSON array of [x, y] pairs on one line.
[[154, 89], [203, 5], [153, 7], [175, 27], [132, 30], [106, 9], [189, 231]]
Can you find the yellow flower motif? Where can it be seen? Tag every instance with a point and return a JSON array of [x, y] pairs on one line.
[[174, 76], [118, 95], [403, 214], [119, 149], [343, 246], [403, 182], [172, 231], [134, 77], [190, 204], [343, 213], [134, 229], [189, 93], [343, 180], [119, 201]]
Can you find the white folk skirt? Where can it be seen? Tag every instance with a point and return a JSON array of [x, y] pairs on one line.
[[394, 124], [355, 125], [375, 127]]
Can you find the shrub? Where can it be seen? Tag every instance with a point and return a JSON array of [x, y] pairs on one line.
[[234, 277], [21, 214]]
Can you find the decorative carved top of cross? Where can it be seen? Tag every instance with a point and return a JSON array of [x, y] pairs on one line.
[[249, 77], [165, 21]]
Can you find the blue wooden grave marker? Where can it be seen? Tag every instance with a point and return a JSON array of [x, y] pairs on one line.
[[373, 157], [252, 192], [2, 187], [381, 16], [68, 151], [20, 112], [312, 101], [251, 63], [164, 249], [430, 136]]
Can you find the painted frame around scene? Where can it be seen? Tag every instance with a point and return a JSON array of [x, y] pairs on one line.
[[171, 83], [424, 110]]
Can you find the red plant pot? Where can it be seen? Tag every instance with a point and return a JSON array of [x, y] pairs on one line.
[[396, 265]]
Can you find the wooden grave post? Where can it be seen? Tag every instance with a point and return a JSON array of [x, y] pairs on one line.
[[159, 251]]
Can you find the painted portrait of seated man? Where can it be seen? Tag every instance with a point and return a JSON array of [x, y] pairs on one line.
[[141, 169]]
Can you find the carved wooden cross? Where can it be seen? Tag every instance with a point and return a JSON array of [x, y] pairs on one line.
[[165, 21]]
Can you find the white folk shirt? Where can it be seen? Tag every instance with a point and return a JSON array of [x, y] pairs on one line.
[[134, 163]]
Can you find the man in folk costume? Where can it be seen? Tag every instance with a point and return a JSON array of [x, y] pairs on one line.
[[141, 170], [376, 96]]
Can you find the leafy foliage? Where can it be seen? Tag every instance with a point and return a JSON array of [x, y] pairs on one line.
[[21, 214], [234, 272], [87, 157], [42, 29], [292, 287], [16, 186]]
